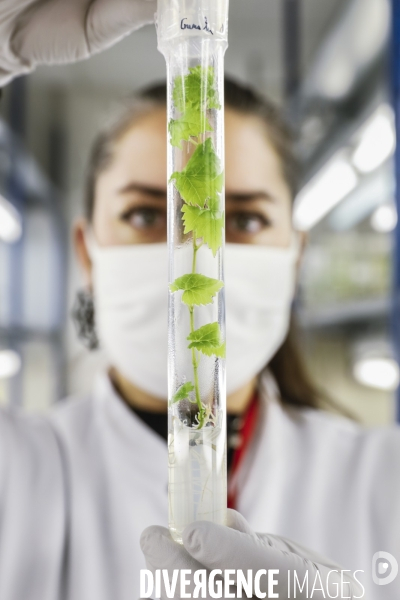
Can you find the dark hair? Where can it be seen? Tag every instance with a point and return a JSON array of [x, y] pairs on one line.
[[295, 386], [237, 97]]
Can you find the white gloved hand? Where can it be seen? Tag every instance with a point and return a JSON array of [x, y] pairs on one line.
[[209, 546], [47, 32]]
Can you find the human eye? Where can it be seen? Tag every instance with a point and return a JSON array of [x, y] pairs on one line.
[[249, 223], [145, 218]]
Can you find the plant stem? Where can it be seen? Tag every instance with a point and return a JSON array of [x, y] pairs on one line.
[[194, 357], [195, 362]]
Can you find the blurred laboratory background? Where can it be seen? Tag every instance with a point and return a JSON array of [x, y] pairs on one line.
[[327, 63]]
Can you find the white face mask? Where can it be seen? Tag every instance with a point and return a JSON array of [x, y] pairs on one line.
[[131, 296]]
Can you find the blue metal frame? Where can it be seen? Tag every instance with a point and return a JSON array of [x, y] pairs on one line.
[[16, 192], [395, 72], [21, 193], [291, 46]]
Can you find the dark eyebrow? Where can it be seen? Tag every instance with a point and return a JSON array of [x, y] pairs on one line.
[[143, 189], [248, 196], [161, 193]]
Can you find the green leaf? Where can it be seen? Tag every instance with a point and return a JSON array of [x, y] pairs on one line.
[[195, 90], [202, 178], [208, 340], [197, 289], [213, 205], [192, 124], [183, 392], [206, 223]]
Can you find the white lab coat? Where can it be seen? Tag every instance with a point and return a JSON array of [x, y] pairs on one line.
[[78, 486]]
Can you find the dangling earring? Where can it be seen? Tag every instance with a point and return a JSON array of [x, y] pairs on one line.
[[83, 316]]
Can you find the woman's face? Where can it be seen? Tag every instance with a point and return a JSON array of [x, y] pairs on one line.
[[130, 196]]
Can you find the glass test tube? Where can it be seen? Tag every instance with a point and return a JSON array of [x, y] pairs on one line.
[[192, 35]]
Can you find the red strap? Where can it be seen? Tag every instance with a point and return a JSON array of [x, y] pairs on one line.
[[247, 433]]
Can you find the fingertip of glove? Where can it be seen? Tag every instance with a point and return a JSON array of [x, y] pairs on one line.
[[193, 535], [151, 538], [235, 520], [146, 537], [232, 517]]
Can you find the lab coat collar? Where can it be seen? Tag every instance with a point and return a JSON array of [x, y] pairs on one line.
[[268, 388], [129, 425], [137, 437], [105, 393]]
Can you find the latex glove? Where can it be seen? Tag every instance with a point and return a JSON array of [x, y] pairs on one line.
[[46, 32], [209, 546]]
